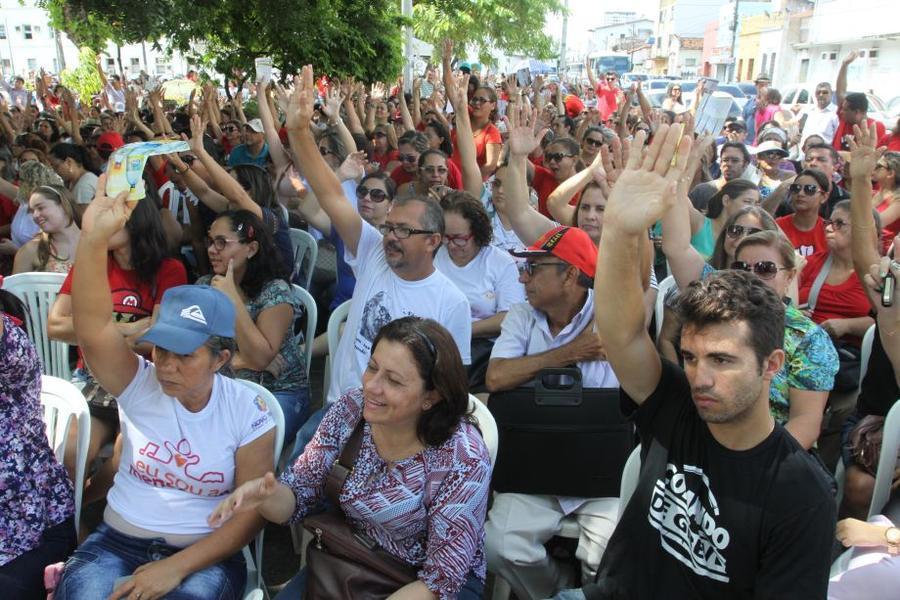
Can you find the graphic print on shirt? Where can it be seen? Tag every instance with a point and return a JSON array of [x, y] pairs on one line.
[[375, 316], [128, 306], [683, 510], [177, 457], [805, 250]]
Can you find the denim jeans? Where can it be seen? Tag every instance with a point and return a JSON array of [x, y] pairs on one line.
[[107, 555], [295, 406], [306, 433], [573, 594], [472, 589]]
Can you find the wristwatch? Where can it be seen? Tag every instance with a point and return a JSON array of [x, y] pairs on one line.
[[892, 536]]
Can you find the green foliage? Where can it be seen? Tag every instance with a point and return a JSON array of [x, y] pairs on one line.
[[511, 26], [83, 79]]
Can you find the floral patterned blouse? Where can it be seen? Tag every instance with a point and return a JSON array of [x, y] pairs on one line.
[[35, 492], [428, 510]]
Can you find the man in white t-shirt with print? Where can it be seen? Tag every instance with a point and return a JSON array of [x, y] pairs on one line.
[[553, 329], [394, 264]]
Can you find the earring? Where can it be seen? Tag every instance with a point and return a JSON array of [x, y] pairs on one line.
[[427, 405]]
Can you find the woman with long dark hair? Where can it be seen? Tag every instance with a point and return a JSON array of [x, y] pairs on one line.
[[73, 164]]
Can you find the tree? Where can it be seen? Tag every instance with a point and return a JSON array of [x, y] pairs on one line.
[[83, 79], [512, 26]]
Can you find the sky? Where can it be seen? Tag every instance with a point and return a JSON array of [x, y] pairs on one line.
[[586, 14]]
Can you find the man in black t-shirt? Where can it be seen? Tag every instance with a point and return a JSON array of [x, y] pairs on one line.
[[728, 505]]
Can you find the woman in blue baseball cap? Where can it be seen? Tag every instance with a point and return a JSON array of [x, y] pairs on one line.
[[190, 435]]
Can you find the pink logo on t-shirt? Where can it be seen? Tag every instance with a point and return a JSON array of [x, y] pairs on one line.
[[183, 457]]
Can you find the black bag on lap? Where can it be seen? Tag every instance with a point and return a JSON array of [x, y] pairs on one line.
[[556, 437]]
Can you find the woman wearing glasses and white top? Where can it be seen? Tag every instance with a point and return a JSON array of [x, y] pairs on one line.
[[433, 168]]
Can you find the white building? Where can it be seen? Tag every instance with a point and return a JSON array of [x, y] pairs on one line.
[[615, 17], [28, 44], [617, 37], [683, 18]]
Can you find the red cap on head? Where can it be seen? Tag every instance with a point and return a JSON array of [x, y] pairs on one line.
[[569, 244], [110, 141]]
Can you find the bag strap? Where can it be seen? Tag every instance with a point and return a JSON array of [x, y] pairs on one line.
[[343, 466], [818, 283]]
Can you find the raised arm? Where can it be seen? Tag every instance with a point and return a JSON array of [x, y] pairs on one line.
[[270, 127], [640, 197], [465, 142], [208, 196], [103, 81], [863, 236], [332, 110], [104, 348], [417, 101], [404, 109], [840, 86], [322, 180], [353, 122], [590, 72], [558, 200]]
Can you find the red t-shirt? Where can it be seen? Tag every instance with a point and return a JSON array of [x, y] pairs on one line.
[[544, 182], [891, 141], [846, 131], [134, 299], [454, 176], [384, 160], [806, 243], [607, 100], [489, 135], [8, 210], [845, 301]]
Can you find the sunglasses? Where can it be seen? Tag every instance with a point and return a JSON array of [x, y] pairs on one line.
[[529, 267], [595, 143], [739, 231], [610, 78], [409, 158], [325, 151], [556, 156], [764, 269], [479, 100], [836, 224], [769, 155], [809, 189], [458, 240], [229, 129], [432, 170], [375, 194]]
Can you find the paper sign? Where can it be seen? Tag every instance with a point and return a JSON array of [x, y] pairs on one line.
[[263, 68], [126, 166], [712, 113]]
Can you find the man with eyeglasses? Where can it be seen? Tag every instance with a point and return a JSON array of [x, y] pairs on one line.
[[821, 119], [393, 264], [254, 150], [554, 328], [733, 160]]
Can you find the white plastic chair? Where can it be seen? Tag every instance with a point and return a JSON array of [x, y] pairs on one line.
[[337, 318], [254, 560], [62, 402], [38, 291], [887, 461], [659, 310], [486, 424], [306, 251], [312, 318]]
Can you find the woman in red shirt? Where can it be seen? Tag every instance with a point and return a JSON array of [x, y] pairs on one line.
[[384, 148], [887, 200], [488, 142], [805, 228]]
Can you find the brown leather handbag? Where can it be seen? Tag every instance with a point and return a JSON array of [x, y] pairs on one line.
[[341, 563]]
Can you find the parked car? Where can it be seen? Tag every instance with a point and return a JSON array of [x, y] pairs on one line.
[[629, 78]]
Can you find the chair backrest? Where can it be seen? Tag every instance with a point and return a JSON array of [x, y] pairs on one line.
[[337, 318], [312, 318], [306, 251], [865, 353], [38, 291], [486, 424], [887, 461], [630, 475], [659, 309], [63, 402]]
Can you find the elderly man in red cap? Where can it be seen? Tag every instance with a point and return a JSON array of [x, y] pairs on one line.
[[553, 329]]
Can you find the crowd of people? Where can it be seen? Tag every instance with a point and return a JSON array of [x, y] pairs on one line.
[[484, 231]]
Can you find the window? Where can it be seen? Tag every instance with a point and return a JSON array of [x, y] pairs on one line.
[[26, 31], [2, 32], [804, 69], [110, 64], [802, 97], [750, 69], [772, 66], [37, 28], [136, 63], [690, 62], [832, 56], [764, 61], [32, 64]]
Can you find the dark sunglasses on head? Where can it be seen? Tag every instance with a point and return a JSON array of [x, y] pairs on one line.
[[556, 156], [375, 194], [593, 142], [738, 231], [809, 189], [764, 269]]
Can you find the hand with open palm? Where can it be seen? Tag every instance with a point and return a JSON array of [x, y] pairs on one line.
[[520, 123]]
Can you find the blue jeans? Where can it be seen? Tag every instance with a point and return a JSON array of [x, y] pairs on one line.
[[306, 433], [472, 589], [573, 594], [295, 406], [107, 555]]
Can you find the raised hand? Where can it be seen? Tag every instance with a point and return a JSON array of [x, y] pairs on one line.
[[520, 124], [457, 91], [353, 167], [106, 215], [247, 497], [333, 100], [863, 152], [698, 149], [851, 56], [512, 87], [225, 283], [302, 101], [647, 188], [378, 92]]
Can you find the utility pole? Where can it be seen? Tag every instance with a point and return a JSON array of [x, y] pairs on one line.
[[734, 31], [406, 8], [561, 63]]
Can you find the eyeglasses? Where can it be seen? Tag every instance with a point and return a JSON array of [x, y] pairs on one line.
[[836, 224], [220, 242], [479, 100], [764, 269], [325, 151], [432, 170], [229, 129], [529, 267], [409, 158], [809, 189], [458, 240], [556, 156], [739, 231], [593, 142], [402, 232], [376, 195]]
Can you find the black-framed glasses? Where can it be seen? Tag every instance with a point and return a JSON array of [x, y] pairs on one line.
[[836, 224], [402, 232], [219, 242], [433, 170], [479, 100], [593, 142], [529, 267], [809, 188], [764, 269], [324, 151], [374, 194], [457, 239], [739, 231], [556, 156], [409, 158], [230, 129]]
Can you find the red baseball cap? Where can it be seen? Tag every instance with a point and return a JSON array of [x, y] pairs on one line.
[[110, 141], [569, 244]]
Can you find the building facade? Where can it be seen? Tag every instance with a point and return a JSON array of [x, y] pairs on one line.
[[685, 19]]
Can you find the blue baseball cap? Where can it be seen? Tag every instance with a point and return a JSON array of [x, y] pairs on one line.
[[188, 316]]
